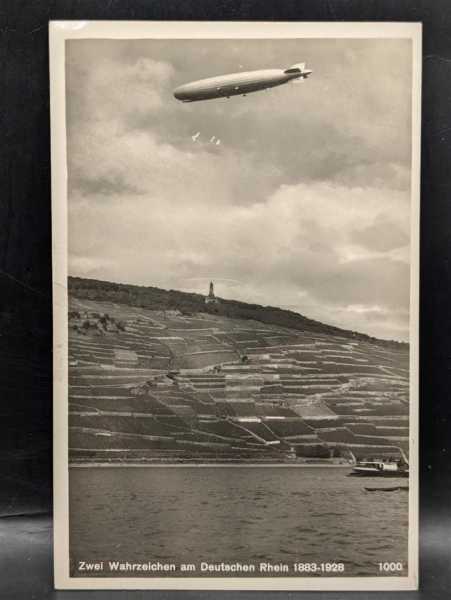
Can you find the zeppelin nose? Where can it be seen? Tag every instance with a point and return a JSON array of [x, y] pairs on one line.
[[180, 93]]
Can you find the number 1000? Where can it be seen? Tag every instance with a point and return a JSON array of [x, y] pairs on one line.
[[390, 567]]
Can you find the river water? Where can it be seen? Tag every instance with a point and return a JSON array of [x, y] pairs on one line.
[[236, 514]]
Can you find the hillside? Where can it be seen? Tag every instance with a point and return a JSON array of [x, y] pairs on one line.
[[170, 383]]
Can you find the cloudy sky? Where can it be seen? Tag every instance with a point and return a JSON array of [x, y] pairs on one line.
[[303, 203]]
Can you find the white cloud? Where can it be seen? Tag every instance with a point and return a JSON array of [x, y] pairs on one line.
[[102, 89]]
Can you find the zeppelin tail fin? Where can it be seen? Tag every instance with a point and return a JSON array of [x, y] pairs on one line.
[[299, 70]]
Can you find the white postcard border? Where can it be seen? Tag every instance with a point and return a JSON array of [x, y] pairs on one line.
[[59, 32]]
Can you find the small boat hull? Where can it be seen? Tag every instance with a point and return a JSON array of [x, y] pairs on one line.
[[395, 488]]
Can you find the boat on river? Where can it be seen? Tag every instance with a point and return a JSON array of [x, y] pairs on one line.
[[381, 467]]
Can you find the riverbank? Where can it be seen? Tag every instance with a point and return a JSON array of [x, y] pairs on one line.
[[193, 465]]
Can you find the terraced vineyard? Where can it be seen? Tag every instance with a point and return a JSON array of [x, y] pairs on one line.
[[162, 386]]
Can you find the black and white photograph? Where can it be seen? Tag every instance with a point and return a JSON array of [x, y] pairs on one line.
[[235, 263]]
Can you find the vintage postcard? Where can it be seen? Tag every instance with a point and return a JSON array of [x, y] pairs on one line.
[[235, 260]]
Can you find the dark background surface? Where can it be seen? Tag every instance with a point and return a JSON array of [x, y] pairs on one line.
[[25, 274]]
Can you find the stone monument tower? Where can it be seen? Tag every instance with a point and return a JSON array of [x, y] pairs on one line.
[[211, 298]]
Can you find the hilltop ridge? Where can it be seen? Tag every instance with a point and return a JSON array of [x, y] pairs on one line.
[[153, 298]]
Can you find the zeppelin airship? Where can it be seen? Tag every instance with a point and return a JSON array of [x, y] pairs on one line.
[[237, 84]]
